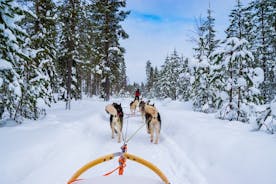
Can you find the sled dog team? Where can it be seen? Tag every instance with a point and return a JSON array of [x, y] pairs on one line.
[[149, 113]]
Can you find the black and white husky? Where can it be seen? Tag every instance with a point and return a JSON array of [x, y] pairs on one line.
[[116, 119]]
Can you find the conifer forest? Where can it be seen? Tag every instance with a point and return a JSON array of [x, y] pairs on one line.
[[64, 50]]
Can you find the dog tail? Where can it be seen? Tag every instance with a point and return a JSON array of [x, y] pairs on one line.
[[159, 120], [110, 109]]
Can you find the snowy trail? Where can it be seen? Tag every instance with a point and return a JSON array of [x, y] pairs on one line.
[[194, 148], [177, 166]]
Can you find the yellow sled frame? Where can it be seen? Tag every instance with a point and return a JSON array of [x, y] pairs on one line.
[[113, 155]]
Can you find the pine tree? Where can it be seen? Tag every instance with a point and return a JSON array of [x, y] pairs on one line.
[[235, 82], [15, 56], [119, 79], [201, 96], [200, 79], [149, 76], [68, 66], [201, 93], [200, 42], [107, 17], [184, 80], [264, 32], [168, 83], [40, 72], [210, 42], [152, 83], [88, 54], [237, 22]]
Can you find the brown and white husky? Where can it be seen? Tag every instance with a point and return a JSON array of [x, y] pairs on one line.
[[153, 120], [133, 105], [142, 109], [116, 119]]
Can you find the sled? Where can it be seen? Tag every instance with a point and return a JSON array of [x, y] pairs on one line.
[[119, 179]]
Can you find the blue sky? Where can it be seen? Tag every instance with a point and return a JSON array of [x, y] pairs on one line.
[[157, 27]]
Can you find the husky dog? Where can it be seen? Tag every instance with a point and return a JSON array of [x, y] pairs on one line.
[[142, 109], [133, 105], [116, 119], [153, 120]]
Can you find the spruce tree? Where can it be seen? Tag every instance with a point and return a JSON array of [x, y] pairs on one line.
[[234, 80], [237, 22], [201, 93], [40, 72], [168, 82], [107, 17], [210, 41], [16, 58], [264, 32], [200, 79], [184, 80], [68, 66], [149, 76]]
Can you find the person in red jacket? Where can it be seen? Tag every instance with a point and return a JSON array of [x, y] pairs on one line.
[[137, 94]]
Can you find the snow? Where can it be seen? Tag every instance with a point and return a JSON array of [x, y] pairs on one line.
[[5, 65], [273, 107], [7, 33], [117, 49], [258, 75], [194, 148], [119, 180]]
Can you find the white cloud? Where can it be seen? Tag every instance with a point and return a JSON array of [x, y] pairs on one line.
[[152, 39]]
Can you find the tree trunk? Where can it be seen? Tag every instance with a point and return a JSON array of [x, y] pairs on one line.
[[106, 49], [69, 82], [70, 60]]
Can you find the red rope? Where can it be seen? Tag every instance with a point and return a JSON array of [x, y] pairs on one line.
[[122, 162], [111, 171]]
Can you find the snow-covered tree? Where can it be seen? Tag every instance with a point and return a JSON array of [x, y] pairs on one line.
[[69, 56], [201, 93], [109, 54], [201, 86], [16, 63], [236, 82], [209, 35], [185, 76], [118, 80], [168, 82], [199, 40], [149, 75], [40, 75], [237, 27], [264, 44]]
